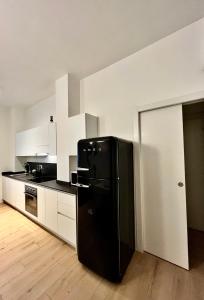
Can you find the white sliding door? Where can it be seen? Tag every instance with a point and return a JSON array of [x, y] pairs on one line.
[[163, 184]]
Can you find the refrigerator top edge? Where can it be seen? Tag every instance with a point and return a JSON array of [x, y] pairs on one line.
[[113, 138]]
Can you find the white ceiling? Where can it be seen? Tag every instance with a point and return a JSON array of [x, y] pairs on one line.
[[40, 40]]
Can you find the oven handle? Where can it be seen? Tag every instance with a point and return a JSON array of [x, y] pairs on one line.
[[30, 194]]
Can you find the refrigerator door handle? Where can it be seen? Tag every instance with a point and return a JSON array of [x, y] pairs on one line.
[[86, 186], [82, 169]]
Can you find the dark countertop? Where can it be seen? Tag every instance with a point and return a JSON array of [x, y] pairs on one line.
[[51, 184]]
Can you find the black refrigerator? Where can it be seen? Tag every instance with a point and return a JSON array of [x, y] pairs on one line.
[[105, 206]]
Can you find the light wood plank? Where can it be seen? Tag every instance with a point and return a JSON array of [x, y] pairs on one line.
[[36, 265]]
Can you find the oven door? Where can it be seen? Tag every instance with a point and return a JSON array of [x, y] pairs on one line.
[[31, 204]]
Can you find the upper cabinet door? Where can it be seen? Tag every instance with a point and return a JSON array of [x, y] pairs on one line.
[[36, 141], [24, 146], [76, 131], [163, 185], [42, 135], [80, 127]]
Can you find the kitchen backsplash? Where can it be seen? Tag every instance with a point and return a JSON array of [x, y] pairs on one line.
[[21, 160], [48, 169]]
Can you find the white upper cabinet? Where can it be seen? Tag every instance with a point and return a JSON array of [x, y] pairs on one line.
[[81, 127], [22, 143], [37, 141]]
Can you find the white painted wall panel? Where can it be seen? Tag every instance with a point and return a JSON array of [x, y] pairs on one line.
[[39, 113], [171, 67], [62, 129]]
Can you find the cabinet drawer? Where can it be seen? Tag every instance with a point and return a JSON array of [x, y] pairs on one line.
[[67, 229], [67, 205], [51, 210], [4, 191]]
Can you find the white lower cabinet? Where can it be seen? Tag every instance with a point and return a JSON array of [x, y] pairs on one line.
[[56, 210], [4, 190], [67, 228], [13, 192], [67, 217], [60, 214], [9, 188], [51, 210], [41, 204], [67, 205], [19, 194]]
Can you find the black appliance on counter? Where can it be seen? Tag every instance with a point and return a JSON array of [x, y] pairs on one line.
[[27, 168], [105, 205], [74, 178]]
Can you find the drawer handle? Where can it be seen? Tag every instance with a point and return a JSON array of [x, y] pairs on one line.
[[59, 213]]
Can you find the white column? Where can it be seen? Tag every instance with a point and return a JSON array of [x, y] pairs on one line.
[[62, 120]]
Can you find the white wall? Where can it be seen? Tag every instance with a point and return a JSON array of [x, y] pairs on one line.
[[5, 142], [17, 116], [169, 68], [73, 96], [40, 112], [62, 113]]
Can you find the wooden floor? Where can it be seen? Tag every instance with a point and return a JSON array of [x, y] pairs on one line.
[[36, 265]]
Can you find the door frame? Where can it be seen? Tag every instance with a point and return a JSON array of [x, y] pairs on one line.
[[139, 203]]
